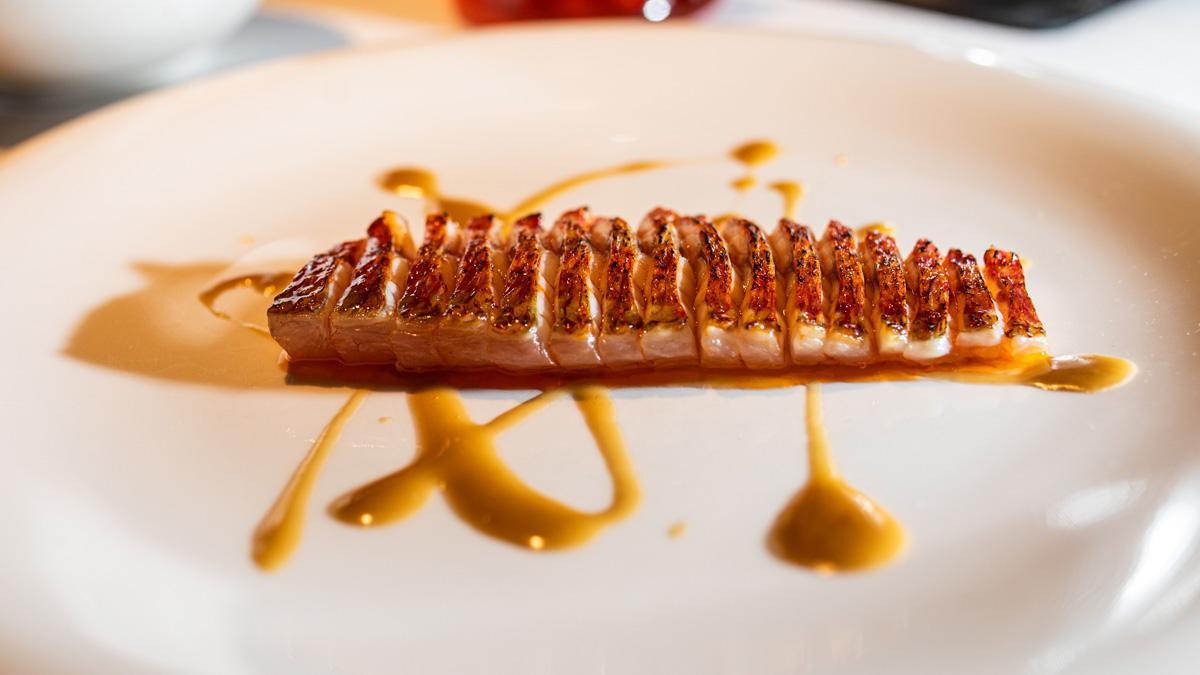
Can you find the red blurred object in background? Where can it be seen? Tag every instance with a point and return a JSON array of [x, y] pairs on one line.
[[493, 11]]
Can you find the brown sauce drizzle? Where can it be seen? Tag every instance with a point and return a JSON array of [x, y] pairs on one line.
[[539, 199], [459, 457], [751, 155], [1079, 373], [791, 192], [744, 184], [278, 533], [829, 526], [266, 285], [755, 153], [416, 183]]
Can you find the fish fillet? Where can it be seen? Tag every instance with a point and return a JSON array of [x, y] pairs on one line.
[[592, 294]]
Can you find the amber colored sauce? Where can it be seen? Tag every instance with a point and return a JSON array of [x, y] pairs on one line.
[[745, 183], [459, 457], [1080, 373], [266, 285], [791, 192], [539, 199], [417, 183], [881, 227], [278, 533], [754, 153], [751, 155], [159, 330], [829, 526]]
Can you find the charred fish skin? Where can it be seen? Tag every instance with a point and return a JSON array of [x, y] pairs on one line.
[[804, 294], [887, 293], [619, 342], [929, 288], [848, 340], [1023, 330], [521, 329], [975, 319], [575, 306], [426, 290], [463, 335], [759, 335], [298, 318], [667, 337], [361, 324], [716, 314]]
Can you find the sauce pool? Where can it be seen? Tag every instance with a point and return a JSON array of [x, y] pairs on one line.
[[829, 526]]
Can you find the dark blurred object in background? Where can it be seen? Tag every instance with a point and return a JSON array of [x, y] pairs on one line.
[[1019, 13], [493, 11]]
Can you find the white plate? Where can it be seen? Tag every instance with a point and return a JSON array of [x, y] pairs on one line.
[[1048, 531]]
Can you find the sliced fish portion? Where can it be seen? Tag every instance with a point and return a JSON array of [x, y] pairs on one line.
[[848, 340], [974, 318], [716, 313], [463, 336], [521, 327], [804, 295], [759, 337], [619, 342], [426, 291], [1023, 330], [299, 316], [575, 307], [929, 293], [667, 337], [361, 324], [887, 294]]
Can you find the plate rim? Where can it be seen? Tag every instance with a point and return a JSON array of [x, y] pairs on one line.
[[1178, 122]]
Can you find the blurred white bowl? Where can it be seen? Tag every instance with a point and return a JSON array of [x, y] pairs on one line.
[[72, 44]]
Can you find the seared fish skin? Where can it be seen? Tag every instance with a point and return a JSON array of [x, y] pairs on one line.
[[848, 340], [716, 313], [594, 294], [804, 292], [930, 290], [667, 337], [576, 309], [884, 273], [521, 328], [299, 316], [1023, 330], [619, 342], [759, 337], [463, 337], [426, 289], [975, 320], [361, 324]]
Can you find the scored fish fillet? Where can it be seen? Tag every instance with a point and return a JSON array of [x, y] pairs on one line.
[[592, 293]]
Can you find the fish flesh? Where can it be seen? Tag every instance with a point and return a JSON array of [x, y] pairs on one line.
[[592, 293]]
